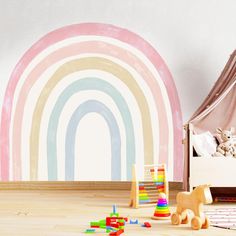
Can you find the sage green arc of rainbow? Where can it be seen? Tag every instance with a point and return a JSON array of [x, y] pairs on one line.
[[86, 64], [81, 111], [83, 85]]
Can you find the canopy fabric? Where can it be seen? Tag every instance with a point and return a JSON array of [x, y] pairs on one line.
[[217, 110]]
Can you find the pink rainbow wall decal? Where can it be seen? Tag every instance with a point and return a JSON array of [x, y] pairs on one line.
[[111, 43]]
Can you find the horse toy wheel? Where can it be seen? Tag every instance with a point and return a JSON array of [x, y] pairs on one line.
[[196, 223], [176, 219], [206, 224]]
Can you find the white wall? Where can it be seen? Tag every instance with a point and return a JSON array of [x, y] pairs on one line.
[[195, 38]]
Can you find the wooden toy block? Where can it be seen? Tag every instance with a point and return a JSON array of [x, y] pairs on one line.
[[90, 231], [133, 222], [117, 233], [147, 225]]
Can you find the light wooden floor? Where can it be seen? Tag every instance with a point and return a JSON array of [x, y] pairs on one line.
[[67, 213]]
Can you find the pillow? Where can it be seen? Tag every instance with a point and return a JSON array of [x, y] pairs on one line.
[[204, 144], [234, 139]]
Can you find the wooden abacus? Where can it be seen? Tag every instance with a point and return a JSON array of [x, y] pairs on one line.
[[145, 191]]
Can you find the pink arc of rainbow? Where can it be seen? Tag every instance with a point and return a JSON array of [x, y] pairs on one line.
[[97, 30], [101, 48]]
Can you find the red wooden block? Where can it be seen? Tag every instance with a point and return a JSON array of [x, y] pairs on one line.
[[114, 220], [147, 224], [119, 232]]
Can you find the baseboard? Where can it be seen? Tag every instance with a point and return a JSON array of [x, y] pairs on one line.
[[75, 185]]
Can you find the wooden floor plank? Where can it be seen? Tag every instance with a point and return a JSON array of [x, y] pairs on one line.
[[68, 212]]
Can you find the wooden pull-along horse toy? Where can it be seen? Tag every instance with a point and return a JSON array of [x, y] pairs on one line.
[[194, 201]]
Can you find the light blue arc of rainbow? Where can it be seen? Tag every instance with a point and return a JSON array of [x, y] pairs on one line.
[[83, 85], [85, 108]]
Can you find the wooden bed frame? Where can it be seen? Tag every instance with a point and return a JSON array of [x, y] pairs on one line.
[[216, 171]]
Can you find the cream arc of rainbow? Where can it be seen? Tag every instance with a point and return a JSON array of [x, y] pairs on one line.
[[68, 94], [108, 31], [85, 64]]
